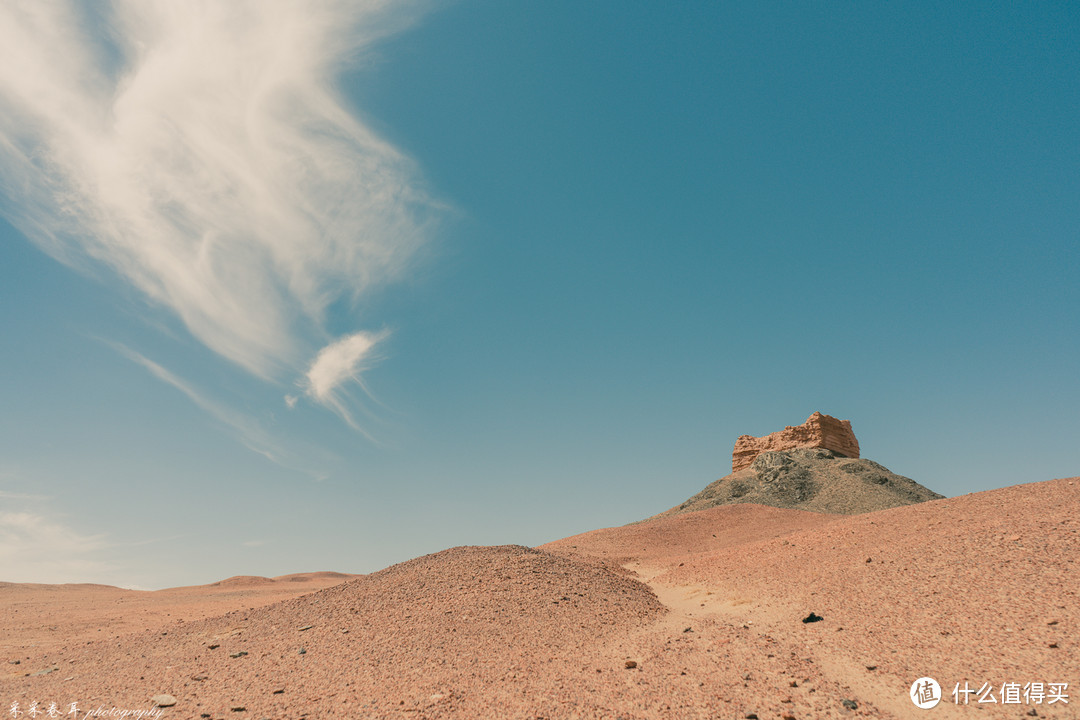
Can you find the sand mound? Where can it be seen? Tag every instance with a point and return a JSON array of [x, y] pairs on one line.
[[475, 599], [322, 575], [436, 632], [813, 479], [242, 580]]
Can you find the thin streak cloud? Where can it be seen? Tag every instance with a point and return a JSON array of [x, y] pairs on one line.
[[4, 495], [247, 430], [204, 155]]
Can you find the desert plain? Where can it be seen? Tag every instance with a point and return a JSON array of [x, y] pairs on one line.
[[694, 615]]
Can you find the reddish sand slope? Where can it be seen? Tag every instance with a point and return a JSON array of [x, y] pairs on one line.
[[976, 589], [674, 538], [705, 621]]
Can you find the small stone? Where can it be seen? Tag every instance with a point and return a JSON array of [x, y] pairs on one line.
[[751, 716], [1053, 644], [303, 651], [199, 678], [688, 630], [869, 559], [1052, 622], [631, 664], [238, 708], [163, 700], [278, 691], [871, 668], [242, 653], [794, 683], [851, 704], [812, 618], [306, 627], [215, 646], [18, 662], [46, 671]]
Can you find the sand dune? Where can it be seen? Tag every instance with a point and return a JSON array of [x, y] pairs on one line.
[[698, 615], [318, 576]]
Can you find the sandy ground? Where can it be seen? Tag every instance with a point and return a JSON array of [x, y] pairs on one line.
[[697, 615], [40, 618]]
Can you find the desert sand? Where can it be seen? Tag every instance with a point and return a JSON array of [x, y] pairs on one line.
[[695, 615]]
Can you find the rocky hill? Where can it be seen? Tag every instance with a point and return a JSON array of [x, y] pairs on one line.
[[814, 466], [813, 479]]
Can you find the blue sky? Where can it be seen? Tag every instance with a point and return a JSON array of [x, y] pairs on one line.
[[297, 286]]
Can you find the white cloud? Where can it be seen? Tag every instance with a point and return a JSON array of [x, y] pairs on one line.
[[200, 151], [40, 549], [336, 364]]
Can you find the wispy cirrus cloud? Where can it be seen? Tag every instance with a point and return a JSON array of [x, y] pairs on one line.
[[201, 151], [250, 433], [334, 366]]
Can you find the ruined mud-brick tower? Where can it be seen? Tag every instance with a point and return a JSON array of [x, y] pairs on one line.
[[819, 431]]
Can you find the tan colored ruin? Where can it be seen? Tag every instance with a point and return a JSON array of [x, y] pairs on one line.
[[819, 431]]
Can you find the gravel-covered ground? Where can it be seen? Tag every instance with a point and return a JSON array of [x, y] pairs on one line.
[[698, 615]]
